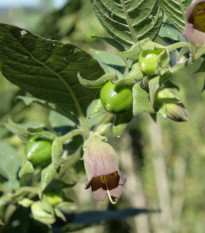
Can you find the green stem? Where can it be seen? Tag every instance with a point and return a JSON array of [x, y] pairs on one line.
[[70, 135], [199, 53], [7, 198], [177, 46], [70, 162], [128, 21], [81, 116]]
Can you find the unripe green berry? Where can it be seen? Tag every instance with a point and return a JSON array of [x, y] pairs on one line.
[[38, 151], [116, 98], [148, 60]]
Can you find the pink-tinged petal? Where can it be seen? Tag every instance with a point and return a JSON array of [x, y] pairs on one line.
[[117, 192], [99, 159], [195, 36], [191, 8], [99, 194]]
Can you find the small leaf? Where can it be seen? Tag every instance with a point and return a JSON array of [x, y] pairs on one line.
[[47, 175], [110, 62], [98, 83], [27, 168], [141, 101]]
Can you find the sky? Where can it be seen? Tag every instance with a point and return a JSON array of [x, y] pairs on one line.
[[14, 3]]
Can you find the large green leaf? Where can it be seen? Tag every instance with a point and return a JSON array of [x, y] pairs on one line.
[[47, 68], [126, 21], [175, 10]]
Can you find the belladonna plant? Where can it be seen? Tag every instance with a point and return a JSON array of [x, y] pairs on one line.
[[101, 166], [195, 28]]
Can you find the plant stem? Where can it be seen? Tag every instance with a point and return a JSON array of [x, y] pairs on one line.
[[199, 53], [70, 162], [177, 45], [71, 134], [128, 21]]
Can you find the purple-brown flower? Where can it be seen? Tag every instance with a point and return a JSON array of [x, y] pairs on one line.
[[195, 28], [101, 166]]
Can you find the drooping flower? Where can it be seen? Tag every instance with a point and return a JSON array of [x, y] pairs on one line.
[[195, 28], [101, 166]]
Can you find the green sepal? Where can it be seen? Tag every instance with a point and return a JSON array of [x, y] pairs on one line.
[[27, 168], [121, 121], [57, 147], [135, 72], [25, 202], [41, 214], [134, 51], [141, 101], [96, 107], [41, 134], [47, 175], [153, 87], [98, 83], [59, 214], [144, 44], [20, 131]]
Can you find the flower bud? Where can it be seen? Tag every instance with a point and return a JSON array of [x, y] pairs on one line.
[[101, 166], [195, 28], [176, 112]]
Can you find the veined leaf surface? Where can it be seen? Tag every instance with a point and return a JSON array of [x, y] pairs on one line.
[[128, 21], [47, 68]]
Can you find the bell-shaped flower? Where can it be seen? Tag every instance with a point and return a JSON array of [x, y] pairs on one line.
[[195, 28], [101, 166]]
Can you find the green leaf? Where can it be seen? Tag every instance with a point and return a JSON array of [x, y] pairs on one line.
[[47, 69], [47, 175], [27, 168], [10, 162], [110, 62], [141, 101], [126, 21], [175, 10]]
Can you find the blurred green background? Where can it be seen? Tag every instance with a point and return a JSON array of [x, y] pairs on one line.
[[163, 162]]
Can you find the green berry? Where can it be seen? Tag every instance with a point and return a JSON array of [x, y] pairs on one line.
[[38, 151], [116, 98], [148, 60]]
